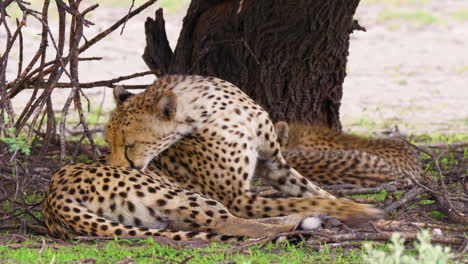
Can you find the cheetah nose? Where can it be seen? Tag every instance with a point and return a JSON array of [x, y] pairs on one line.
[[140, 167]]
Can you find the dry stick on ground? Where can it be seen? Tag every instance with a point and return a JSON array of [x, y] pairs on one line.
[[443, 198], [392, 225], [319, 237], [462, 250], [373, 190], [409, 196], [37, 228]]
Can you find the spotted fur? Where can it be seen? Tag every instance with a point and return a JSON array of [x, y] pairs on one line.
[[101, 200], [330, 157], [209, 137]]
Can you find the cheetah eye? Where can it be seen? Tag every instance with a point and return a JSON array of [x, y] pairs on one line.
[[130, 145]]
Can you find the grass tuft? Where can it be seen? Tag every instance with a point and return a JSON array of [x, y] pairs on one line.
[[414, 17], [461, 15]]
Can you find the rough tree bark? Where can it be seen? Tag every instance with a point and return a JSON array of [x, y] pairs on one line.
[[289, 56]]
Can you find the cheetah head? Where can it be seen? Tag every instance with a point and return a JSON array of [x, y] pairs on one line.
[[142, 126]]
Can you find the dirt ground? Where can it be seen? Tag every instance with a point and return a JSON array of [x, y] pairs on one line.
[[410, 69]]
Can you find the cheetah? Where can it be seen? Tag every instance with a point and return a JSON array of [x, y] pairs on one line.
[[101, 200], [183, 153], [208, 136], [330, 157]]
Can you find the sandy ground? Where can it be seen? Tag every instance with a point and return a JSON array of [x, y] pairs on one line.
[[401, 72]]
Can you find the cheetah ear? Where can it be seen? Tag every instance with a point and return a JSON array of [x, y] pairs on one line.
[[282, 132], [121, 94], [166, 105]]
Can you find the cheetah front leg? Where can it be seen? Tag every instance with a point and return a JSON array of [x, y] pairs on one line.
[[272, 167], [286, 179]]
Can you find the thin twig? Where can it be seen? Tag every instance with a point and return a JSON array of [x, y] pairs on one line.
[[128, 16], [104, 83]]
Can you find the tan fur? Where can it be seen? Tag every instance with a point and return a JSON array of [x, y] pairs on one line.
[[327, 156]]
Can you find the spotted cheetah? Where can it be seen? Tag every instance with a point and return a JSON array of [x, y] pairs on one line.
[[330, 157], [183, 153], [208, 136]]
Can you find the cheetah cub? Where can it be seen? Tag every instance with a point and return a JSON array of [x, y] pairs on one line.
[[330, 157]]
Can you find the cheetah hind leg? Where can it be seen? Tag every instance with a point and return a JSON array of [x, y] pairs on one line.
[[211, 215], [231, 230]]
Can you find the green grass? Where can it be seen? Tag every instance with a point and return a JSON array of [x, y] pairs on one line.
[[28, 198], [379, 197], [459, 70], [414, 17], [148, 251], [438, 138], [461, 15]]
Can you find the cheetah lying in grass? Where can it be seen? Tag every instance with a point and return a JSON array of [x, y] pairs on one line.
[[203, 138]]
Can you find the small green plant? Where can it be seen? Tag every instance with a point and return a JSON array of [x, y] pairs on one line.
[[84, 158], [28, 198], [437, 214], [397, 253], [17, 143]]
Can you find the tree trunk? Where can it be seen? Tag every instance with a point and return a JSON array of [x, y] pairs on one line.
[[289, 56]]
